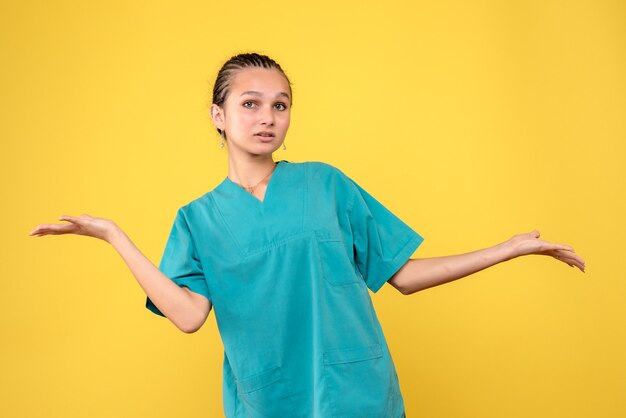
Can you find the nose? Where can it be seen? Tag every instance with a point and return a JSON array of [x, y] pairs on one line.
[[266, 116]]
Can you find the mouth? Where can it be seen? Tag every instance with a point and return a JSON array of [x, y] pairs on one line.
[[265, 134]]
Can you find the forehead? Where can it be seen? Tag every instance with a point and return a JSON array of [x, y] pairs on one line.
[[264, 80]]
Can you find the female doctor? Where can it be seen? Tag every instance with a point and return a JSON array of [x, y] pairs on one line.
[[284, 253]]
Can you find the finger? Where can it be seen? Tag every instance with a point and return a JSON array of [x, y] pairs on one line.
[[563, 247], [571, 260], [68, 218], [569, 255], [547, 246], [34, 231], [39, 229], [53, 229]]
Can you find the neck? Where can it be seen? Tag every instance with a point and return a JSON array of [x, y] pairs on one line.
[[250, 169]]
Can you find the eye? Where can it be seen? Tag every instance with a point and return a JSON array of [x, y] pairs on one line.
[[281, 106], [245, 104]]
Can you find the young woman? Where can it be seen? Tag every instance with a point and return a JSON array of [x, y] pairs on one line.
[[285, 253]]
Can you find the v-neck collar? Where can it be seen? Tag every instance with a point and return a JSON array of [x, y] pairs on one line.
[[232, 185]]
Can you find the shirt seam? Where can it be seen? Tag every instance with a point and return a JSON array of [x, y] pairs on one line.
[[230, 232], [197, 256], [392, 265]]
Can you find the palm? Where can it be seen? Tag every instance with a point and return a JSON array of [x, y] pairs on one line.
[[82, 225], [525, 244]]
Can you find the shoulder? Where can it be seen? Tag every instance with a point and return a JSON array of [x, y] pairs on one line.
[[320, 169], [323, 178], [201, 205]]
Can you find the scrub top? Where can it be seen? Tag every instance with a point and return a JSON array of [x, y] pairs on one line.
[[288, 278]]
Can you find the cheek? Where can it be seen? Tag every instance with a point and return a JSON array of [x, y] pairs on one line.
[[239, 119], [284, 120]]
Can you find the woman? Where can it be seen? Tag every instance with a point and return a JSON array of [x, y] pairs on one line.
[[285, 253]]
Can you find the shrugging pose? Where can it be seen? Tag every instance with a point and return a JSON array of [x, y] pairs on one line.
[[285, 253]]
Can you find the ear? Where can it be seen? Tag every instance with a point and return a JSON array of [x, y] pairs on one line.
[[217, 115]]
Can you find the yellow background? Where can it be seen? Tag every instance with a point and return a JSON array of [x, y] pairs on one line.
[[471, 120]]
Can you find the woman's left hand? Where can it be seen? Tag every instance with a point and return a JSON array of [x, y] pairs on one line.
[[529, 243]]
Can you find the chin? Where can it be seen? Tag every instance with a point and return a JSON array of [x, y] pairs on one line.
[[261, 152], [268, 147]]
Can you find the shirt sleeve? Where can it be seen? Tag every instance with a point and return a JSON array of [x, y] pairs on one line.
[[382, 242], [180, 261]]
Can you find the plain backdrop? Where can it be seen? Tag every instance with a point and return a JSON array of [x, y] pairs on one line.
[[471, 120]]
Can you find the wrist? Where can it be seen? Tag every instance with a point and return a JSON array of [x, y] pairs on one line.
[[508, 250], [114, 235]]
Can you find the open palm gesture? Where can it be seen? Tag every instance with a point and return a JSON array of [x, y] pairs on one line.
[[83, 225], [529, 243]]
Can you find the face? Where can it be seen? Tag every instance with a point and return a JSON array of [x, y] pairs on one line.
[[256, 112]]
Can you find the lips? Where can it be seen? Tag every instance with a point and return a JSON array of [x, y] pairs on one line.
[[265, 134]]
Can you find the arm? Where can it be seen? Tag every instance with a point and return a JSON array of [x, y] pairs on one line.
[[420, 274], [185, 309]]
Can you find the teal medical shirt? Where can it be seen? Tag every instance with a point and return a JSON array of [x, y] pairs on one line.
[[288, 278]]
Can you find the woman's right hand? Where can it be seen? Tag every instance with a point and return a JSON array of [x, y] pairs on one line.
[[83, 225]]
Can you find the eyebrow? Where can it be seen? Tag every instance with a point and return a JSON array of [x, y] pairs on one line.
[[256, 93]]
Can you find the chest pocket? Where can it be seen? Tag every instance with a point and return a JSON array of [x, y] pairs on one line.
[[336, 264]]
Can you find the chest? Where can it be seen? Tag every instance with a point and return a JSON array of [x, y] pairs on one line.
[[236, 224]]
